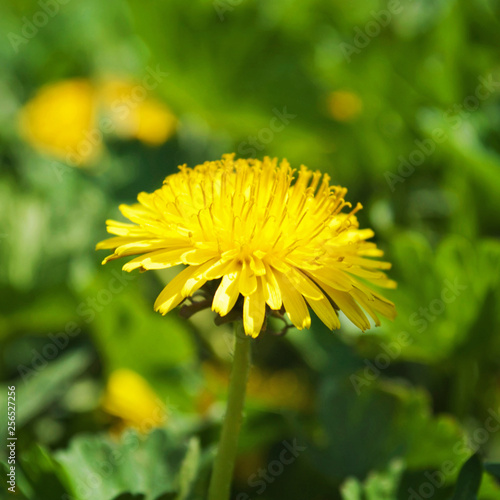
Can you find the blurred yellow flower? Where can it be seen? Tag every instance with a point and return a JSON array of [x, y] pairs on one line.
[[155, 123], [276, 238], [280, 390], [135, 116], [129, 397], [69, 119], [59, 118], [344, 105]]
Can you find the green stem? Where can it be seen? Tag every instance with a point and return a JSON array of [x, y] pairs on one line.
[[222, 473]]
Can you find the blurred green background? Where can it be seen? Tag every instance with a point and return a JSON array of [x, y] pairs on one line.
[[399, 101]]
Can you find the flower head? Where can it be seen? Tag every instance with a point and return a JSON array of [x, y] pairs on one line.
[[278, 239], [129, 397], [134, 116], [58, 118], [344, 105], [68, 119]]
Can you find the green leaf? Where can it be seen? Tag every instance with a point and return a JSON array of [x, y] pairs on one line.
[[493, 469], [490, 487], [189, 469], [440, 297], [45, 383], [378, 485], [103, 468], [469, 479], [45, 477], [153, 467], [384, 485], [25, 490], [383, 422], [131, 335], [352, 489]]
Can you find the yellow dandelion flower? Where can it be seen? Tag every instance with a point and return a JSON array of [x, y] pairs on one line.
[[135, 114], [344, 105], [70, 119], [59, 120], [129, 397], [268, 237], [155, 123]]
